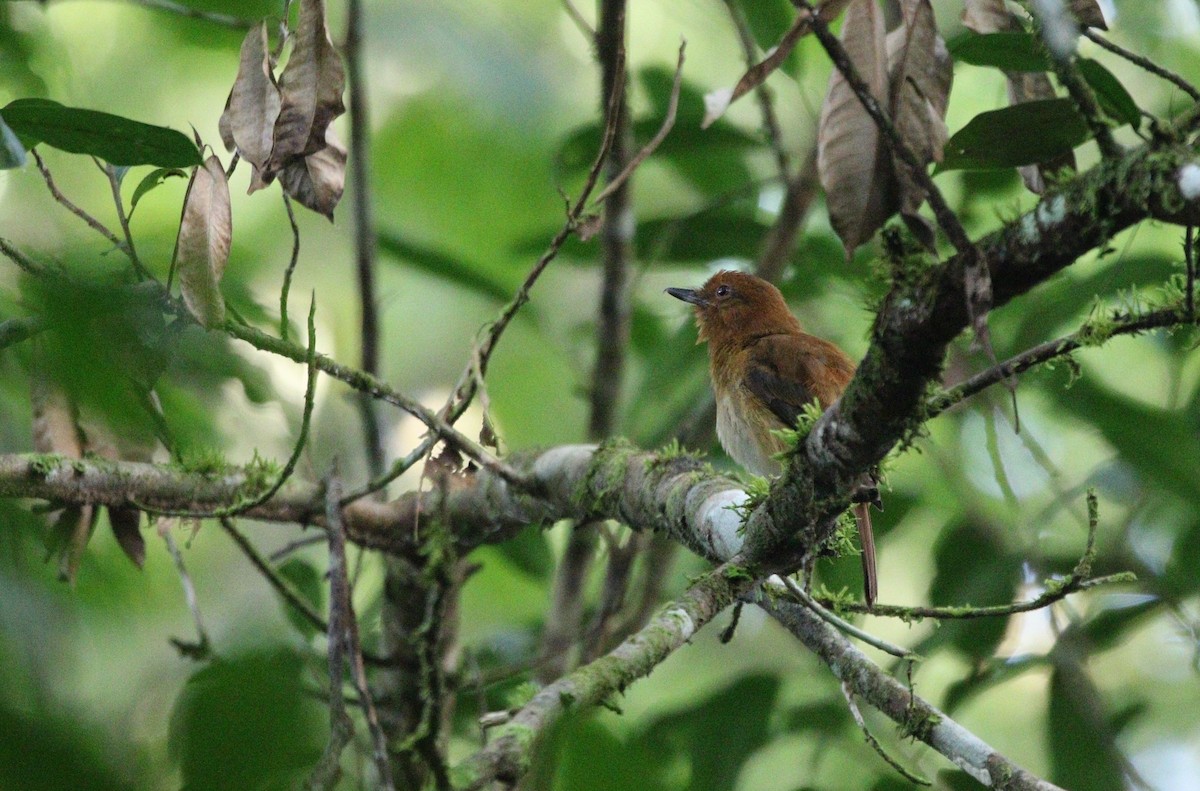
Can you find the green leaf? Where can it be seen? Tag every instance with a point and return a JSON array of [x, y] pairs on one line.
[[152, 180], [307, 581], [1079, 741], [1114, 100], [12, 153], [528, 552], [439, 264], [1160, 446], [117, 140], [1008, 50], [1023, 134], [255, 699]]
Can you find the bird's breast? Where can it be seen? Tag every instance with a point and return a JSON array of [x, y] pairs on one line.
[[745, 437]]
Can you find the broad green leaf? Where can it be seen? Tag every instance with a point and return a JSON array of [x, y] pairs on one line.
[[1114, 99], [1079, 741], [152, 180], [442, 265], [12, 153], [1023, 134], [117, 140], [973, 567], [255, 699], [528, 552], [1008, 50], [308, 583], [1161, 446]]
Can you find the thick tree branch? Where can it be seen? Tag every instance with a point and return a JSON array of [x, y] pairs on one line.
[[885, 402]]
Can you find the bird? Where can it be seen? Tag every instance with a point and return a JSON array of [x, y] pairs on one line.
[[765, 369]]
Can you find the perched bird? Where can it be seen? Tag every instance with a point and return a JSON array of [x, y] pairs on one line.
[[765, 369]]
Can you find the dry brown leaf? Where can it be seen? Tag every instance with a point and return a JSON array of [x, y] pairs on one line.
[[851, 158], [919, 75], [717, 102], [311, 86], [126, 527], [1088, 13], [988, 16], [254, 102], [317, 180], [202, 248], [56, 430]]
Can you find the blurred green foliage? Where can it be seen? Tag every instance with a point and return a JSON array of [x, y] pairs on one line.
[[481, 113]]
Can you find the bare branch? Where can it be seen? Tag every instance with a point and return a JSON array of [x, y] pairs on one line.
[[291, 267], [180, 9], [766, 106], [506, 758], [91, 221], [916, 717], [1144, 63], [200, 648]]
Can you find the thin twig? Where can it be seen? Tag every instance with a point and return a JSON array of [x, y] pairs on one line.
[[343, 626], [848, 694], [1055, 590], [341, 728], [766, 105], [123, 219], [291, 267], [1052, 350], [476, 369], [659, 136], [840, 623], [1081, 93], [294, 546], [281, 585], [14, 331], [579, 20], [310, 392], [1144, 63], [92, 222], [365, 239], [1189, 257], [224, 20], [200, 648], [23, 262]]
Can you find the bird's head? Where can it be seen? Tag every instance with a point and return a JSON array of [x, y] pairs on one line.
[[735, 305]]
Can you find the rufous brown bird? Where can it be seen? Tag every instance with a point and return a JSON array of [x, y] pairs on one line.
[[765, 369]]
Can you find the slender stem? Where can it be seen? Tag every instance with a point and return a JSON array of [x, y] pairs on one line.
[[766, 105], [364, 226], [1144, 63], [123, 219], [200, 648], [224, 20], [92, 222], [842, 624], [284, 330]]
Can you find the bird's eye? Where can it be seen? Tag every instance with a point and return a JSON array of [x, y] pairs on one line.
[[723, 291]]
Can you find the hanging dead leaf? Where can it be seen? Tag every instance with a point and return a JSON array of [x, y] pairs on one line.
[[202, 247], [851, 159], [988, 16], [311, 86], [717, 102], [56, 430], [920, 73], [1088, 13], [317, 180], [126, 521], [254, 103]]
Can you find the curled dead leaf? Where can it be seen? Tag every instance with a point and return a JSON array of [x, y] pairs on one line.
[[717, 102], [202, 247], [317, 180], [311, 86], [248, 123], [851, 159]]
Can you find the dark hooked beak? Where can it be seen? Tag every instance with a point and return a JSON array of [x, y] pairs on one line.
[[688, 295]]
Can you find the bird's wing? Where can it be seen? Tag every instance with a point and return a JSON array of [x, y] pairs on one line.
[[777, 374]]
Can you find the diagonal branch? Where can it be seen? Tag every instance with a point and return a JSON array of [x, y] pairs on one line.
[[507, 757], [916, 717]]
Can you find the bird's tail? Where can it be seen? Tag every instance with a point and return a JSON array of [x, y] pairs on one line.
[[866, 535]]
